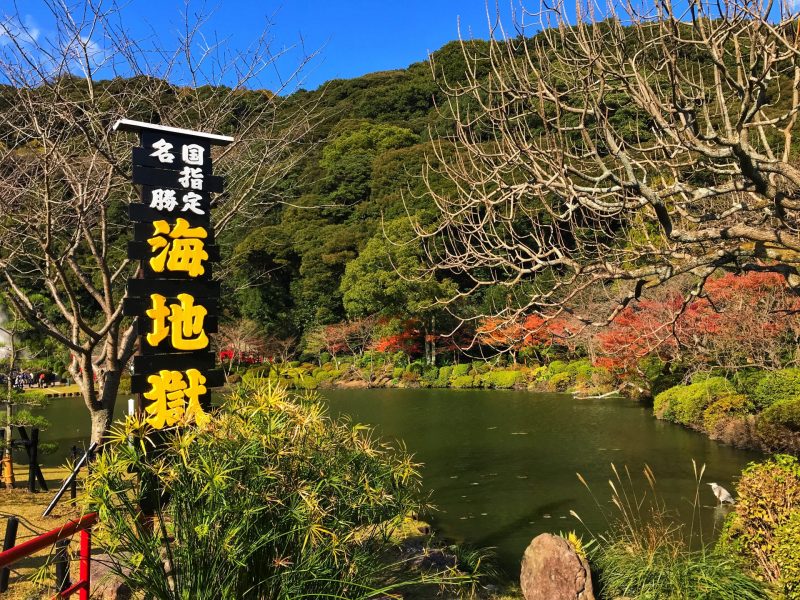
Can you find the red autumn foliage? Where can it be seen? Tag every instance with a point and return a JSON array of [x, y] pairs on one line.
[[740, 320], [408, 340]]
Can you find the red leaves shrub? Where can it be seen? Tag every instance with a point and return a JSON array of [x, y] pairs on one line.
[[739, 321]]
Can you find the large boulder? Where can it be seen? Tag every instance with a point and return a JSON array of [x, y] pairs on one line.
[[552, 570]]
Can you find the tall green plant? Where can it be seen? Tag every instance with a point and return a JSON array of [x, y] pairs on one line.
[[272, 499], [645, 553]]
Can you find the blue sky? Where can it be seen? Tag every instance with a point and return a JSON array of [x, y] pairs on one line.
[[353, 37]]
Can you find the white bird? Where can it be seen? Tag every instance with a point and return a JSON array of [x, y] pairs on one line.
[[723, 495]]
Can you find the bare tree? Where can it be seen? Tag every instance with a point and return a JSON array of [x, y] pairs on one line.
[[64, 176], [618, 150], [281, 349], [240, 339]]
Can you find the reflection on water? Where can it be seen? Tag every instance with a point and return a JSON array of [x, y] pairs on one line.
[[501, 466]]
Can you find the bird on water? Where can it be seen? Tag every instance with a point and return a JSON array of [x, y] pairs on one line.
[[723, 495]]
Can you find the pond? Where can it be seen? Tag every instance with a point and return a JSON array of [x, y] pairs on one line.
[[501, 465]]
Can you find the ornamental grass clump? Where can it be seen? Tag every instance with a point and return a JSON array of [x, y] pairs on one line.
[[645, 552], [271, 499]]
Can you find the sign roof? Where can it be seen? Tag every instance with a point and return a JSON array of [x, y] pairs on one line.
[[137, 126]]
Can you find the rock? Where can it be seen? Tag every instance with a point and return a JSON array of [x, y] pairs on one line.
[[107, 585], [552, 570]]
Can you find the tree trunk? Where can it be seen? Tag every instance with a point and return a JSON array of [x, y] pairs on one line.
[[101, 421], [433, 341]]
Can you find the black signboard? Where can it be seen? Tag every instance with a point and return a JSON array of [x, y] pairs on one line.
[[173, 299]]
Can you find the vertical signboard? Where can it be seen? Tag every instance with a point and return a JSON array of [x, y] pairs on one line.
[[174, 297]]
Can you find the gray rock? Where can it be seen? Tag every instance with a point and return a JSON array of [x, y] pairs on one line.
[[552, 570], [106, 584]]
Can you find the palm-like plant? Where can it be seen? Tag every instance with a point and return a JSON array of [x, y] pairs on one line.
[[271, 499]]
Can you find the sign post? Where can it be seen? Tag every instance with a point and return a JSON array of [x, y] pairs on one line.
[[174, 297]]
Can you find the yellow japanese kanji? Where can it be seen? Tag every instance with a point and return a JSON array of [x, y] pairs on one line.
[[178, 249], [174, 400], [185, 323]]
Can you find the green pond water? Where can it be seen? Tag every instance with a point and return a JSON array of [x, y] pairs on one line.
[[501, 465]]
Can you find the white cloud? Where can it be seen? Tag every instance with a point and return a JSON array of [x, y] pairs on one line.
[[27, 32]]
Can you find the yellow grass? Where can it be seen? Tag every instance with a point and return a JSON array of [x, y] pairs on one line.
[[28, 509], [60, 390]]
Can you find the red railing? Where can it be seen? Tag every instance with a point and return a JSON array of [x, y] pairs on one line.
[[45, 540]]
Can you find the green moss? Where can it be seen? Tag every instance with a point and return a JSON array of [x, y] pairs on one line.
[[685, 403], [777, 386]]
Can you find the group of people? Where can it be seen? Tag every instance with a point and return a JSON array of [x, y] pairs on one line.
[[22, 379]]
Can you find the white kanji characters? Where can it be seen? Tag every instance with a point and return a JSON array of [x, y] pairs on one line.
[[162, 151], [163, 200], [191, 202], [192, 154], [191, 178]]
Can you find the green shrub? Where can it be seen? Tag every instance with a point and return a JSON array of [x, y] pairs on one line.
[[124, 384], [259, 373], [768, 498], [416, 367], [460, 370], [776, 386], [462, 381], [410, 377], [264, 502], [324, 357], [443, 380], [747, 380], [327, 375], [397, 372], [430, 374], [580, 370], [560, 381], [556, 367], [479, 367], [538, 374], [685, 403], [304, 382], [784, 412], [24, 418], [501, 380], [731, 405], [787, 555], [38, 398], [657, 376]]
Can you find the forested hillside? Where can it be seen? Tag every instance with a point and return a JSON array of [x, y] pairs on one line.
[[360, 170]]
